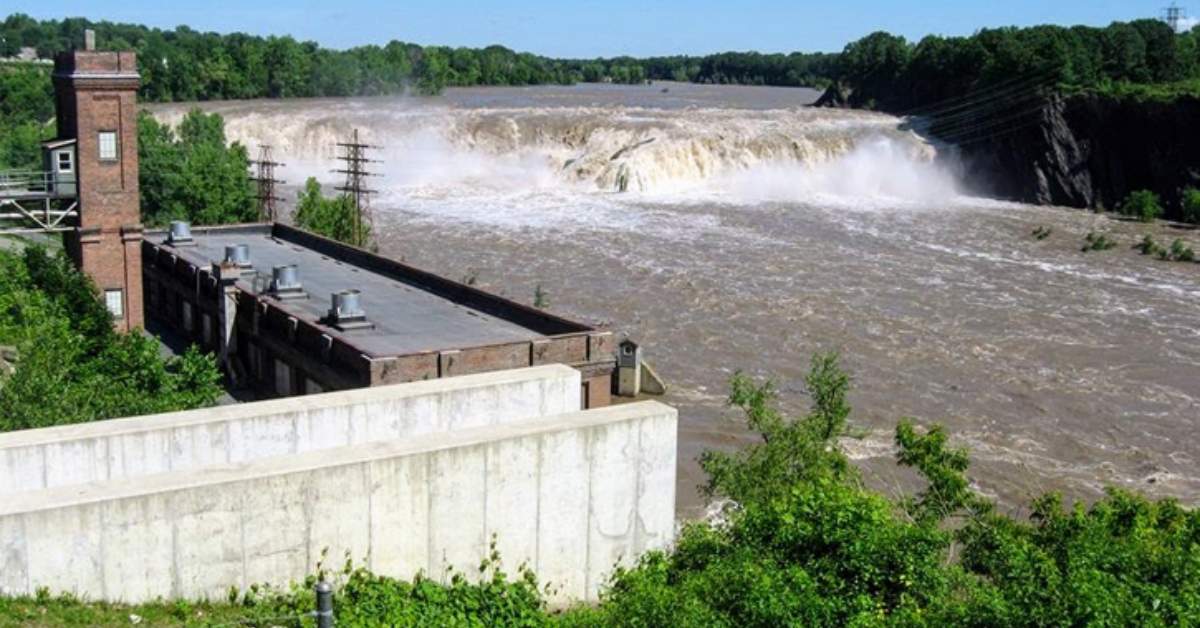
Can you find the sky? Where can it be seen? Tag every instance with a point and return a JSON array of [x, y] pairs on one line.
[[591, 28]]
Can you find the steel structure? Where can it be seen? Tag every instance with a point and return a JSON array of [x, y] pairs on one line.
[[354, 155], [266, 182], [31, 203], [1174, 16]]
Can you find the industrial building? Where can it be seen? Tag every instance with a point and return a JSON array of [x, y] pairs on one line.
[[294, 313]]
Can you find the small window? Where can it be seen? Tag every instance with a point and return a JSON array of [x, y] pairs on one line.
[[115, 301], [108, 146], [64, 161]]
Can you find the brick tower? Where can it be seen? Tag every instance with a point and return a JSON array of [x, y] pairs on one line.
[[96, 98]]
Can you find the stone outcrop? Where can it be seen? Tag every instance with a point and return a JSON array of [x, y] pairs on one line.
[[1085, 150]]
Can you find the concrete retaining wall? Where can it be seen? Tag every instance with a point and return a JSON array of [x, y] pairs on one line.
[[121, 448], [570, 495]]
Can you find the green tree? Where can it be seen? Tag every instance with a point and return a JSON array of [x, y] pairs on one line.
[[196, 176], [331, 217], [72, 366]]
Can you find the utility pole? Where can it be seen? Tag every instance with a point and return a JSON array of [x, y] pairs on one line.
[[354, 154], [266, 182], [1174, 16]]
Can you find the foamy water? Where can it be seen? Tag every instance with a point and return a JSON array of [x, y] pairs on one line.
[[732, 228]]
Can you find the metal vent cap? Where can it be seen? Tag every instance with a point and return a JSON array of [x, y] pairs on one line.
[[345, 305], [285, 278], [238, 254], [181, 231]]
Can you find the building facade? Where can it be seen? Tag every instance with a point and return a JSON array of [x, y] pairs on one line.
[[96, 100]]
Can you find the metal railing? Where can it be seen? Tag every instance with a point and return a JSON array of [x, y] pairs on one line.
[[27, 182]]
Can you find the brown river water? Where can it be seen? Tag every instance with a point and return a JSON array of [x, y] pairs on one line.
[[731, 228]]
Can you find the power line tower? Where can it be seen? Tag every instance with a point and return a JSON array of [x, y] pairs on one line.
[[354, 155], [1174, 16], [266, 181]]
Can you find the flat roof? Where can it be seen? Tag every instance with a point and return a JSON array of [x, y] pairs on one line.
[[409, 315]]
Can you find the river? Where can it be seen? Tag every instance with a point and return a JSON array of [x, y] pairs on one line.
[[731, 228]]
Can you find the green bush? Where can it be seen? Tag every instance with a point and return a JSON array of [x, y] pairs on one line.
[[1143, 205], [72, 366], [1180, 252], [1190, 210], [1097, 242], [1148, 246], [331, 217]]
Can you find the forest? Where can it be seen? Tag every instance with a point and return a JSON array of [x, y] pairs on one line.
[[184, 65], [940, 74]]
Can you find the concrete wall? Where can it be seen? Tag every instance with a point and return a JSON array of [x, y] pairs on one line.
[[569, 495], [120, 448]]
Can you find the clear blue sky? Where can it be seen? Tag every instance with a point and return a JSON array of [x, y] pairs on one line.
[[588, 28]]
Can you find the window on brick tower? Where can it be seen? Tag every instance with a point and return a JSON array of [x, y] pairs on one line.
[[108, 146], [114, 300]]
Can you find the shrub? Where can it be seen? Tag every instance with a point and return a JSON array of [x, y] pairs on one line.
[[1147, 246], [334, 217], [1097, 242], [1180, 252], [1190, 211], [1143, 205], [72, 366]]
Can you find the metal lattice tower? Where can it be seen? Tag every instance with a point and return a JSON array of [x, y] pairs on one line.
[[354, 155], [1174, 16], [266, 181]]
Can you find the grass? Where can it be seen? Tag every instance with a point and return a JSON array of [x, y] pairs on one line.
[[45, 610]]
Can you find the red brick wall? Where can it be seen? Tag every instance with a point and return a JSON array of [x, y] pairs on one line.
[[97, 91]]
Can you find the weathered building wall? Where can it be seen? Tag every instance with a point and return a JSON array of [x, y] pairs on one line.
[[123, 448], [570, 495]]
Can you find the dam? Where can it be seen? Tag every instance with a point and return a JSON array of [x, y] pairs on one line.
[[754, 231]]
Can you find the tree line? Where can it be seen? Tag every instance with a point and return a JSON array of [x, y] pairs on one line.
[[182, 64], [944, 74]]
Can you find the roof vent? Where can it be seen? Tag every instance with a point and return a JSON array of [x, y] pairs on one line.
[[180, 233], [238, 255], [346, 311], [285, 282]]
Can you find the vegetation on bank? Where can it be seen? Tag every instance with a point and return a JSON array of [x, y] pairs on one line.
[[1143, 205], [69, 364], [802, 541], [333, 217], [1000, 68], [183, 64]]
